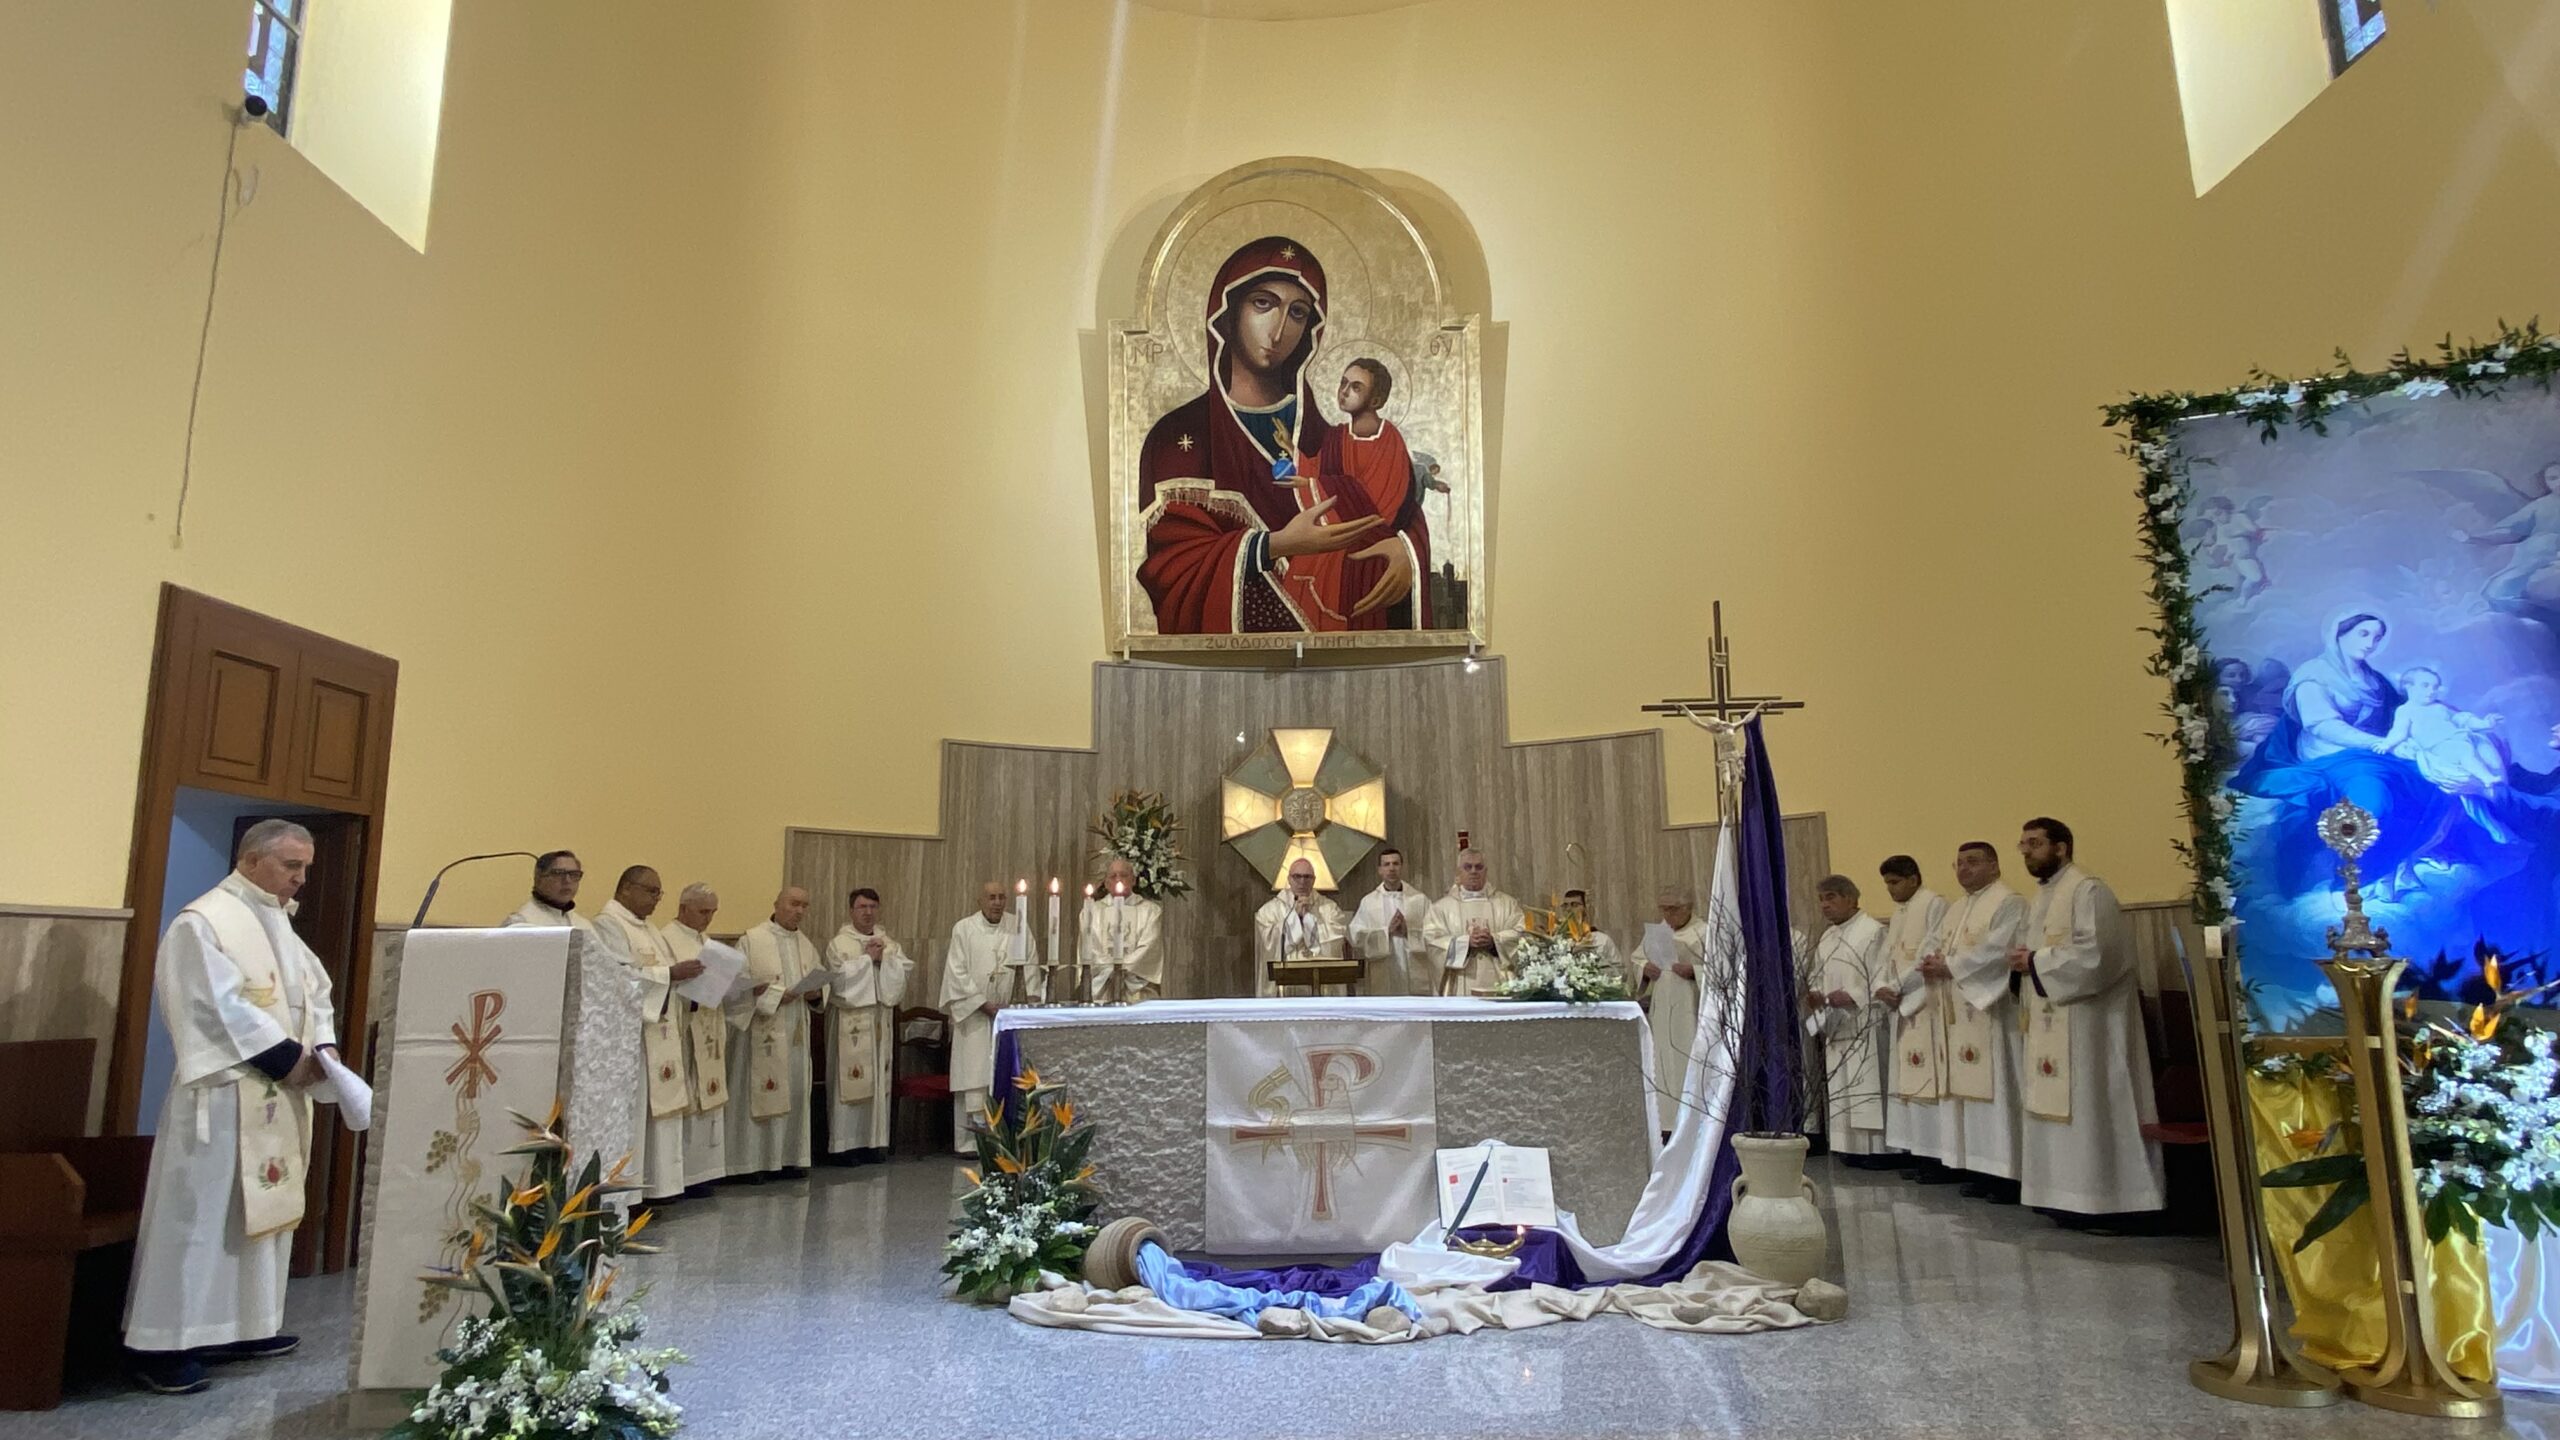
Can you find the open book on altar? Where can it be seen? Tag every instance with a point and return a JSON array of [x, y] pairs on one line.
[[1495, 1184]]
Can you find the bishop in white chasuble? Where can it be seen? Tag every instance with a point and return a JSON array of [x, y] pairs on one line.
[[1914, 1083], [1293, 924], [706, 1033], [769, 1078], [1469, 933], [2086, 1066], [1120, 939], [1386, 931], [247, 1007], [666, 1072], [872, 976], [979, 977], [1848, 965], [1972, 947]]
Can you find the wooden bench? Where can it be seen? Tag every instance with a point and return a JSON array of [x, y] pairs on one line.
[[62, 1194]]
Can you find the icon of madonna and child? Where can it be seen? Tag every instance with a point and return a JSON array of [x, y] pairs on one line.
[[1260, 515], [2469, 843]]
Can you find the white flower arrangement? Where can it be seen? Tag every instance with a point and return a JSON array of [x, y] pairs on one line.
[[1562, 961], [517, 1392]]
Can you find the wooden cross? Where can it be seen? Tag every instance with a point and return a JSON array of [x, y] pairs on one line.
[[1730, 711]]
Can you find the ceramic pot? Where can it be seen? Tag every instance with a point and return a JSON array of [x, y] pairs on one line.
[[1777, 1230]]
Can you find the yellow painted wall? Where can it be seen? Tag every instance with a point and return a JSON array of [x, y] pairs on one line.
[[729, 447], [2245, 67], [367, 100]]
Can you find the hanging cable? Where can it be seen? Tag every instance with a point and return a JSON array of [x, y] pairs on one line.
[[251, 109]]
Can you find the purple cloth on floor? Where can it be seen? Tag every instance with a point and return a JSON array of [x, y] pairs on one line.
[[1330, 1280]]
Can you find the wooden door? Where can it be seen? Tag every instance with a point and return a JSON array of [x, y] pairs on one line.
[[249, 705]]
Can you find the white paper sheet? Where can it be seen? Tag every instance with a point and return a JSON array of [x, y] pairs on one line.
[[722, 966], [813, 983], [1659, 946], [344, 1089]]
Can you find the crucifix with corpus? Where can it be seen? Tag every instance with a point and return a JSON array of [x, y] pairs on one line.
[[1722, 713]]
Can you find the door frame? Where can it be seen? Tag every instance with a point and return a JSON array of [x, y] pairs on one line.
[[179, 660]]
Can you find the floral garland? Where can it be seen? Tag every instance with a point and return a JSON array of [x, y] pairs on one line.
[[1139, 826], [2198, 729], [1033, 1206], [551, 1358], [1558, 959]]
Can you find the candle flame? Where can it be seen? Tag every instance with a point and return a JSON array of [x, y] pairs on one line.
[[1053, 884], [1088, 892], [1021, 887]]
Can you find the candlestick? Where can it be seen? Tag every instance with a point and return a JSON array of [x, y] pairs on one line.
[[1053, 916]]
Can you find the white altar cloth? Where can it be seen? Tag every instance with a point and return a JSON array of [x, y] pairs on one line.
[[1306, 1124]]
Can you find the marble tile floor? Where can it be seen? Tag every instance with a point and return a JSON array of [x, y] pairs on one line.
[[813, 1310]]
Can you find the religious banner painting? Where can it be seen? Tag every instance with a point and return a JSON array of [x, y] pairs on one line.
[[2380, 609], [1296, 426], [1321, 1135]]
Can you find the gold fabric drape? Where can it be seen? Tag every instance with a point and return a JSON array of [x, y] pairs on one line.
[[2336, 1284]]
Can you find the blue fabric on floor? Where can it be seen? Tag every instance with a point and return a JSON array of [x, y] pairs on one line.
[[1172, 1283]]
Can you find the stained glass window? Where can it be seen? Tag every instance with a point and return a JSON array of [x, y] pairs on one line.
[[2353, 26], [275, 43]]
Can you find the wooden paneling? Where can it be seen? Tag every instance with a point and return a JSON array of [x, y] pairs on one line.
[[1552, 814], [59, 976], [241, 704]]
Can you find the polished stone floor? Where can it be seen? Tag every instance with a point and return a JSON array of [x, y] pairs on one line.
[[813, 1310]]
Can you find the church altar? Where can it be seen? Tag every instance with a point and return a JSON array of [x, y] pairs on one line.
[[1308, 1125]]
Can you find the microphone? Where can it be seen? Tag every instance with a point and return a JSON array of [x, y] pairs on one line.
[[430, 897]]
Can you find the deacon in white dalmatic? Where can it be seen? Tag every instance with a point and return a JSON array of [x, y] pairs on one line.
[[1852, 1025], [979, 977], [1914, 1085], [555, 894], [666, 1080], [769, 1079], [871, 979], [247, 1008], [1669, 982], [1120, 939], [1971, 951], [1293, 924], [706, 1034], [2085, 1067], [1386, 931], [1470, 932]]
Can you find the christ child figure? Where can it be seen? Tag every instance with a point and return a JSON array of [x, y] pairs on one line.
[[1364, 465], [2457, 751]]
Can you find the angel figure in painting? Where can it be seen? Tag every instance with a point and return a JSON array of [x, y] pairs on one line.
[[1246, 532], [2529, 584]]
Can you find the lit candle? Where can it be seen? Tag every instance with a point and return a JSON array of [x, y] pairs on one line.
[[1053, 918], [1021, 921], [2213, 942]]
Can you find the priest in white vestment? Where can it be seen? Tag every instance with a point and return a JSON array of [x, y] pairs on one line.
[[2087, 1067], [1386, 931], [1670, 994], [666, 1072], [1120, 939], [1469, 933], [871, 979], [248, 1011], [1853, 1026], [706, 1033], [1910, 1124], [1972, 950], [769, 1074], [1295, 924], [555, 893], [979, 977]]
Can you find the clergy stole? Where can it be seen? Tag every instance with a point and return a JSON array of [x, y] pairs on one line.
[[710, 1033], [1920, 1063], [2046, 1063], [662, 1035], [1967, 1030], [769, 1036], [275, 1123], [858, 1023]]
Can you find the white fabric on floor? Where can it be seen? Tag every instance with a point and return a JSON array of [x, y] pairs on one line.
[[2524, 1287], [1312, 1007]]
